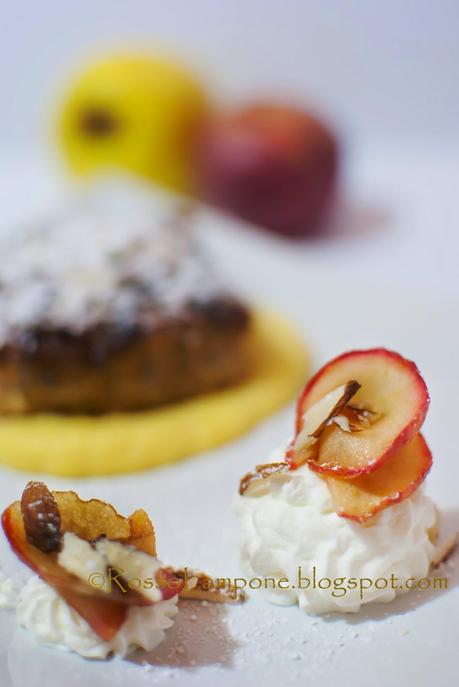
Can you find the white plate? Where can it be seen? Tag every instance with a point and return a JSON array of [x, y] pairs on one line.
[[412, 639]]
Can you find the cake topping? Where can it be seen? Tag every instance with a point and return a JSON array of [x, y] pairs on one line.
[[394, 400], [360, 498], [119, 257], [253, 479], [318, 417], [82, 525], [370, 452], [200, 586], [345, 392], [292, 533], [101, 564]]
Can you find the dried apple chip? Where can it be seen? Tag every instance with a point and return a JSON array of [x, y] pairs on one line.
[[102, 613], [90, 519], [392, 393], [362, 497]]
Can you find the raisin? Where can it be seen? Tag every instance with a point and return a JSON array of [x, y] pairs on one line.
[[42, 522]]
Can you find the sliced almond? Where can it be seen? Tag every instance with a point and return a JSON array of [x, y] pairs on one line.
[[261, 472], [134, 564], [360, 418], [317, 418], [339, 398], [202, 587], [343, 423]]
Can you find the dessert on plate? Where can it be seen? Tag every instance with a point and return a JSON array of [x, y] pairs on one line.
[[115, 323], [114, 309], [339, 512], [99, 587]]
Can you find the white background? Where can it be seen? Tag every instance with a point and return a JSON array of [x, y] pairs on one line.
[[382, 68], [387, 74]]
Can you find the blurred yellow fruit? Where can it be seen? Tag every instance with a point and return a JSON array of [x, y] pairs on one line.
[[133, 112]]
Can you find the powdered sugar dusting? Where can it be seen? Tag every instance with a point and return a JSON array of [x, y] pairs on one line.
[[114, 254]]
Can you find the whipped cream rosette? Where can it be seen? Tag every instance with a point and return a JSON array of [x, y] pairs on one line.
[[341, 502]]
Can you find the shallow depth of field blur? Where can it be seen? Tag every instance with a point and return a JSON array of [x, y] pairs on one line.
[[319, 140], [382, 77]]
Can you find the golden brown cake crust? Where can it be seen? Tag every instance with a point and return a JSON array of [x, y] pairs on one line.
[[114, 306], [84, 445], [110, 368]]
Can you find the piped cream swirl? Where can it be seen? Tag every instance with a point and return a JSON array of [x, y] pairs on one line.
[[288, 525], [44, 613]]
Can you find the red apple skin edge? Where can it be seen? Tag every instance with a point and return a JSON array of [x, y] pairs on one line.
[[104, 615], [402, 438], [273, 165], [401, 496]]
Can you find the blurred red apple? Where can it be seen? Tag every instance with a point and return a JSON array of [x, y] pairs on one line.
[[271, 165]]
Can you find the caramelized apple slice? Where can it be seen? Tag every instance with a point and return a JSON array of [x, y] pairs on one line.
[[170, 582], [360, 498], [391, 388], [105, 612]]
